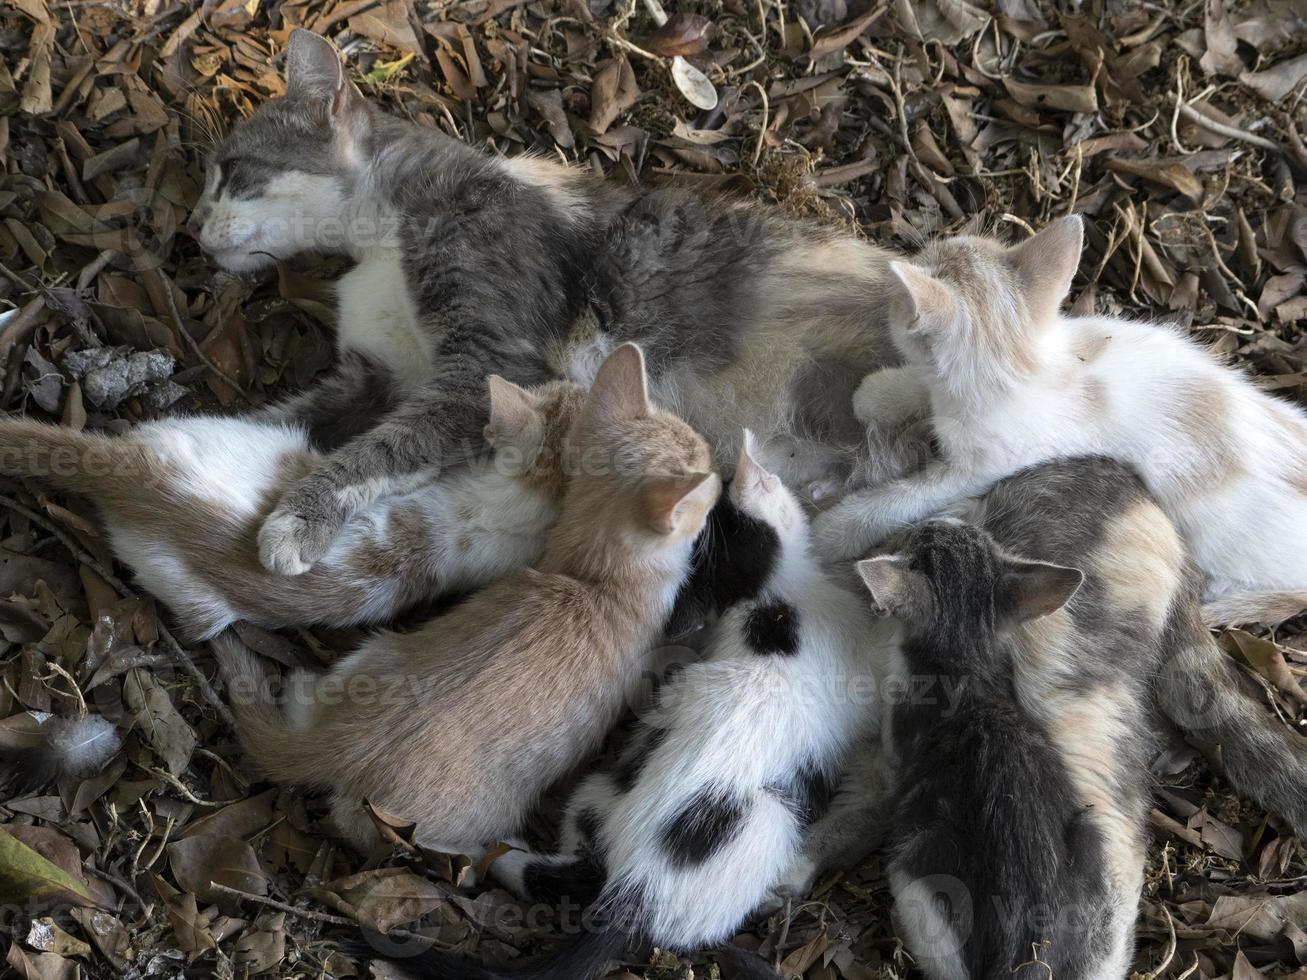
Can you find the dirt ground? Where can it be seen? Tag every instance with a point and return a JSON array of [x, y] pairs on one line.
[[1173, 127]]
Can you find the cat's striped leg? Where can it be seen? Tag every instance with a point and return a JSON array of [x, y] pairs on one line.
[[353, 397], [439, 426]]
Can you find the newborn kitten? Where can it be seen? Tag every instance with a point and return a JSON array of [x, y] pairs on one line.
[[705, 811], [459, 725], [182, 500], [470, 265], [1011, 383]]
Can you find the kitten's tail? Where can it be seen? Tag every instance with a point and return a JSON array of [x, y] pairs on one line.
[[582, 957], [67, 747], [89, 463], [1240, 608], [282, 752], [1202, 692]]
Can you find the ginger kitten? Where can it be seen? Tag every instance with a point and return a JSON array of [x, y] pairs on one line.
[[1012, 383], [182, 501], [460, 724], [736, 757]]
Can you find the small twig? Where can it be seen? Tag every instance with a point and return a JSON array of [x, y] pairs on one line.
[[762, 128], [77, 691], [121, 883], [1171, 942], [194, 344], [335, 920], [180, 656], [1230, 132], [179, 786]]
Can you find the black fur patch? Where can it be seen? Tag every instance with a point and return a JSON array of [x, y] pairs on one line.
[[810, 793], [734, 556], [773, 627], [627, 772], [703, 827], [579, 881], [587, 825]]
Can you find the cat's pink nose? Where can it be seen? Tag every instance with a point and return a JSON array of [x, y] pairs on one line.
[[195, 226]]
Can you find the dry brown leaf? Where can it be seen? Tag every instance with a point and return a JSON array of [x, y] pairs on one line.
[[683, 34], [1067, 98]]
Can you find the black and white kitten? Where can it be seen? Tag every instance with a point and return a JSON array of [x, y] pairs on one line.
[[470, 265], [706, 811]]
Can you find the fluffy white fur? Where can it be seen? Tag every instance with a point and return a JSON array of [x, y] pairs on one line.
[[739, 721], [1011, 383]]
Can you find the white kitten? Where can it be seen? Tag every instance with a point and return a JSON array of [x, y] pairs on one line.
[[1011, 383]]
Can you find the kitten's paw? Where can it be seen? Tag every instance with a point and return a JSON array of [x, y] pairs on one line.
[[290, 544], [821, 491]]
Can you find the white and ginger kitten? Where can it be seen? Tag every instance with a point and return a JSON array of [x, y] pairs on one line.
[[461, 723], [182, 501], [707, 809], [1011, 383]]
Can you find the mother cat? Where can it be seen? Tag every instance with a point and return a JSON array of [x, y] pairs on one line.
[[470, 264]]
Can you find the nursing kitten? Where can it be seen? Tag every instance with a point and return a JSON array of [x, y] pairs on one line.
[[470, 264], [460, 724], [706, 809], [1012, 383], [998, 866], [182, 500], [1018, 843]]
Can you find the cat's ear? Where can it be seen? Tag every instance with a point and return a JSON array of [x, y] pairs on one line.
[[894, 587], [516, 417], [620, 389], [930, 302], [1047, 263], [750, 475], [315, 75], [668, 504], [1030, 589]]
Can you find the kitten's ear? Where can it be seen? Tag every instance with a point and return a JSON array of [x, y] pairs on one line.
[[751, 475], [620, 389], [931, 301], [1048, 262], [669, 504], [894, 587], [1031, 589], [516, 417], [314, 73]]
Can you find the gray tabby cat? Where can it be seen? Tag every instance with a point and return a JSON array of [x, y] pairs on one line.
[[469, 265]]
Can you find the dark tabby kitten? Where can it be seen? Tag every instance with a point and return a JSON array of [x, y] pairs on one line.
[[470, 265], [1017, 845]]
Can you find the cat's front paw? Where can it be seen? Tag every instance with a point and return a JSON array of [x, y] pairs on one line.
[[290, 544]]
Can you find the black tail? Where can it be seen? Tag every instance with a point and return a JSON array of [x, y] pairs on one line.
[[582, 957]]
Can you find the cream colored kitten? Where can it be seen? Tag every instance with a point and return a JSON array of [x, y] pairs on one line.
[[182, 500], [460, 724], [1011, 383]]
